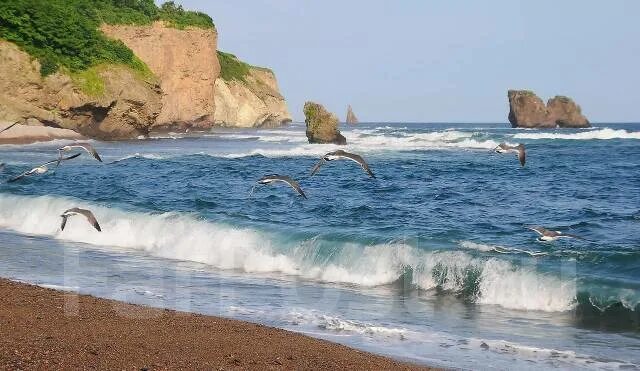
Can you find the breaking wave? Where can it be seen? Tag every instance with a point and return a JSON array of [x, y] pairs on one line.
[[602, 134], [368, 141], [186, 237]]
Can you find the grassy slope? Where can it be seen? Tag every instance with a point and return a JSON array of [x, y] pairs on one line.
[[65, 33]]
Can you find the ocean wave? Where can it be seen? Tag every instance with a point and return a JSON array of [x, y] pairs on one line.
[[186, 237], [148, 156], [498, 249], [603, 134], [371, 141]]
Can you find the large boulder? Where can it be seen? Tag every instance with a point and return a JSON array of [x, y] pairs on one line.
[[566, 113], [527, 110], [322, 125]]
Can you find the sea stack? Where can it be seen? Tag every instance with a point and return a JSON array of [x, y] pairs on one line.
[[527, 110], [322, 125], [351, 117]]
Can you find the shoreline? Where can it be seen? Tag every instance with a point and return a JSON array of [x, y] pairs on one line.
[[47, 328]]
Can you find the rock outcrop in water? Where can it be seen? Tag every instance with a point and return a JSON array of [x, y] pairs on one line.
[[351, 117], [126, 106], [527, 110], [322, 125]]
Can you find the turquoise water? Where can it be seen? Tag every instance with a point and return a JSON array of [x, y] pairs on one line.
[[430, 262]]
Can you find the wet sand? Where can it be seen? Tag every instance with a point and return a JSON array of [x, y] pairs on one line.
[[42, 328]]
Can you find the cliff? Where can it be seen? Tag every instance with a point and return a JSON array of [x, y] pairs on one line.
[[527, 110], [185, 62], [159, 71], [106, 102], [250, 97], [322, 125]]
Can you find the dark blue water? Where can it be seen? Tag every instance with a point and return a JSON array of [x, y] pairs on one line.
[[429, 261]]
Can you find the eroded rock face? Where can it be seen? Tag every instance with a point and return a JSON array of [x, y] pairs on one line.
[[187, 66], [322, 126], [527, 110], [566, 113], [256, 102], [127, 107]]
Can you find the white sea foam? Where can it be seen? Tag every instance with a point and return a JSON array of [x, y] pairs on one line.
[[370, 141], [337, 324], [603, 134], [148, 156], [185, 237], [498, 249]]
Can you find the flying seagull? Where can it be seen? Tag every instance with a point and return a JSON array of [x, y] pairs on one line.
[[548, 235], [339, 155], [42, 168], [78, 211], [9, 127], [519, 150], [268, 179], [85, 146]]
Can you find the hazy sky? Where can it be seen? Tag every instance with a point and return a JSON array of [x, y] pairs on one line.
[[439, 61]]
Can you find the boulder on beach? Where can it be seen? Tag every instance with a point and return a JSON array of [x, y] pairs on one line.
[[322, 125]]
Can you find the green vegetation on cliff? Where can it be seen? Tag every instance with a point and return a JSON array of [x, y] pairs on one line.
[[231, 68], [66, 32]]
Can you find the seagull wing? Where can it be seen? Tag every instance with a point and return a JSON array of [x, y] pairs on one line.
[[294, 185], [9, 127], [90, 217], [92, 151], [25, 174], [64, 222], [317, 167], [58, 160], [539, 230], [359, 160]]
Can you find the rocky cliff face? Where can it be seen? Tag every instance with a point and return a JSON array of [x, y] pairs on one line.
[[127, 105], [255, 102], [185, 92], [527, 110], [322, 125], [186, 64]]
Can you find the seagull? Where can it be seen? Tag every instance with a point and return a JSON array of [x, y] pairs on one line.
[[519, 149], [42, 168], [340, 154], [78, 211], [9, 127], [85, 146], [548, 235], [268, 179]]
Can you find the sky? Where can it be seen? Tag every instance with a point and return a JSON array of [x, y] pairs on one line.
[[439, 61]]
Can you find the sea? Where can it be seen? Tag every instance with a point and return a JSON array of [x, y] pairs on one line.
[[431, 262]]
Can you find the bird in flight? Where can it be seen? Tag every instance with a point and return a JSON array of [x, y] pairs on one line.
[[342, 155]]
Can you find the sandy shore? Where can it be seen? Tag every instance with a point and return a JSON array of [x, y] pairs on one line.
[[25, 134], [47, 329]]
